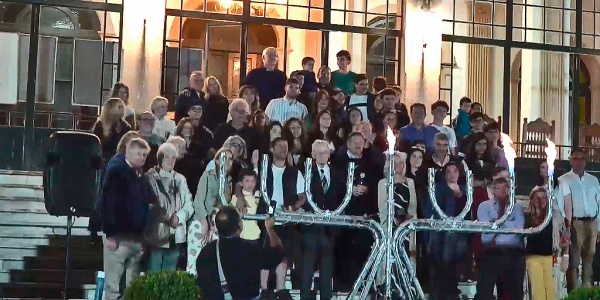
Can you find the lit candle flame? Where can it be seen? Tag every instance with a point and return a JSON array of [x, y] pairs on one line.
[[509, 152], [550, 156], [391, 139]]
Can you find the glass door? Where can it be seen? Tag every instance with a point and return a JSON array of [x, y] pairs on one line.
[[223, 54]]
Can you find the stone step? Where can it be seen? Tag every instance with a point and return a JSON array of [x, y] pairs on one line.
[[21, 290], [22, 219], [61, 252], [17, 191], [78, 277], [33, 205], [39, 231], [21, 178], [77, 263], [15, 253], [52, 240]]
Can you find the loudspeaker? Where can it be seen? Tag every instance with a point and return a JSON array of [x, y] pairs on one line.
[[72, 174]]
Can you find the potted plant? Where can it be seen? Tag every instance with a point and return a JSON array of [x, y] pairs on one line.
[[164, 285], [584, 294]]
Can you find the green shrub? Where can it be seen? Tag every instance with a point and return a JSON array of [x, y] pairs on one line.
[[164, 285], [584, 294]]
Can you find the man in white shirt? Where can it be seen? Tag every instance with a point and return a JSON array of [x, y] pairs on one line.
[[581, 192], [362, 98], [283, 109], [439, 110]]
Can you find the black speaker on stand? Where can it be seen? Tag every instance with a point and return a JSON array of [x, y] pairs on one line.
[[72, 175]]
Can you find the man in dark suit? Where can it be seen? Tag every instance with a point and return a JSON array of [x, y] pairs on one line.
[[353, 245], [190, 96], [327, 188]]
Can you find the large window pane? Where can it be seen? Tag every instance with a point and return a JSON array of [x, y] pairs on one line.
[[87, 81], [45, 69], [9, 66]]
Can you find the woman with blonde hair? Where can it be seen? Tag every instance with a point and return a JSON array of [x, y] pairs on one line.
[[405, 196], [206, 203], [217, 107], [111, 126], [166, 230], [121, 91], [164, 127], [542, 246]]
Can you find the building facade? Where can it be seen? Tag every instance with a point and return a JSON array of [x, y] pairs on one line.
[[522, 59]]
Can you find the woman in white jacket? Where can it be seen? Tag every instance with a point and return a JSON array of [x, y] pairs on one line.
[[166, 229]]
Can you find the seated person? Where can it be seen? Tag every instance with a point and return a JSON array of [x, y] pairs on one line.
[[239, 260]]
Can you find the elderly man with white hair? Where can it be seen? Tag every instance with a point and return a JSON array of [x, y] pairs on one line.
[[239, 111], [166, 230], [327, 188], [267, 80]]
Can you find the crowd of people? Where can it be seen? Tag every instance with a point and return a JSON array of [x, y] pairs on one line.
[[160, 206]]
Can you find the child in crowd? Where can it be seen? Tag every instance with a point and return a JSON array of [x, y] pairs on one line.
[[463, 124], [248, 179], [310, 87]]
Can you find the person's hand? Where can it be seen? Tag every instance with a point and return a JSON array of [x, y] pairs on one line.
[[112, 244], [206, 233], [270, 223], [568, 223], [174, 221], [186, 92], [564, 263], [255, 158], [241, 206]]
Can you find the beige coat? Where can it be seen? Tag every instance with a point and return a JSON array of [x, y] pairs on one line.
[[174, 197], [207, 195]]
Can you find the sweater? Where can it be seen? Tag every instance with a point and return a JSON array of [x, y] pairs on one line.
[[463, 124], [207, 195], [174, 198]]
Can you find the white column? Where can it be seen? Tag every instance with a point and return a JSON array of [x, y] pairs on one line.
[[143, 28], [531, 64], [423, 55]]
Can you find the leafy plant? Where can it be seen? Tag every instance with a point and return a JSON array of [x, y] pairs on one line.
[[164, 285], [584, 294]]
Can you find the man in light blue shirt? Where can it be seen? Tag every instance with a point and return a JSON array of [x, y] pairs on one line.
[[503, 254]]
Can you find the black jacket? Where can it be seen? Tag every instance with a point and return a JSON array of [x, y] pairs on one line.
[[126, 195], [183, 104], [216, 111], [367, 173], [331, 199]]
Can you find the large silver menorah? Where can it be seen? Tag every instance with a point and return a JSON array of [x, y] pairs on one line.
[[388, 248]]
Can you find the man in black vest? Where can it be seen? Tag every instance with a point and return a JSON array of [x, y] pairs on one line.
[[327, 187], [285, 186]]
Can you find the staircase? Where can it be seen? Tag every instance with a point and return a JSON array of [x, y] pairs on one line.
[[33, 245]]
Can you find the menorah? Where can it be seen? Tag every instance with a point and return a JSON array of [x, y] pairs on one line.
[[388, 248]]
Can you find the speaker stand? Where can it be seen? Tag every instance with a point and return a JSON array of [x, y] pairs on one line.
[[70, 223]]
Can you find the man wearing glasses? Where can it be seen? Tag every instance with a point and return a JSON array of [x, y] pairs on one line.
[[503, 254], [581, 197], [239, 110]]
